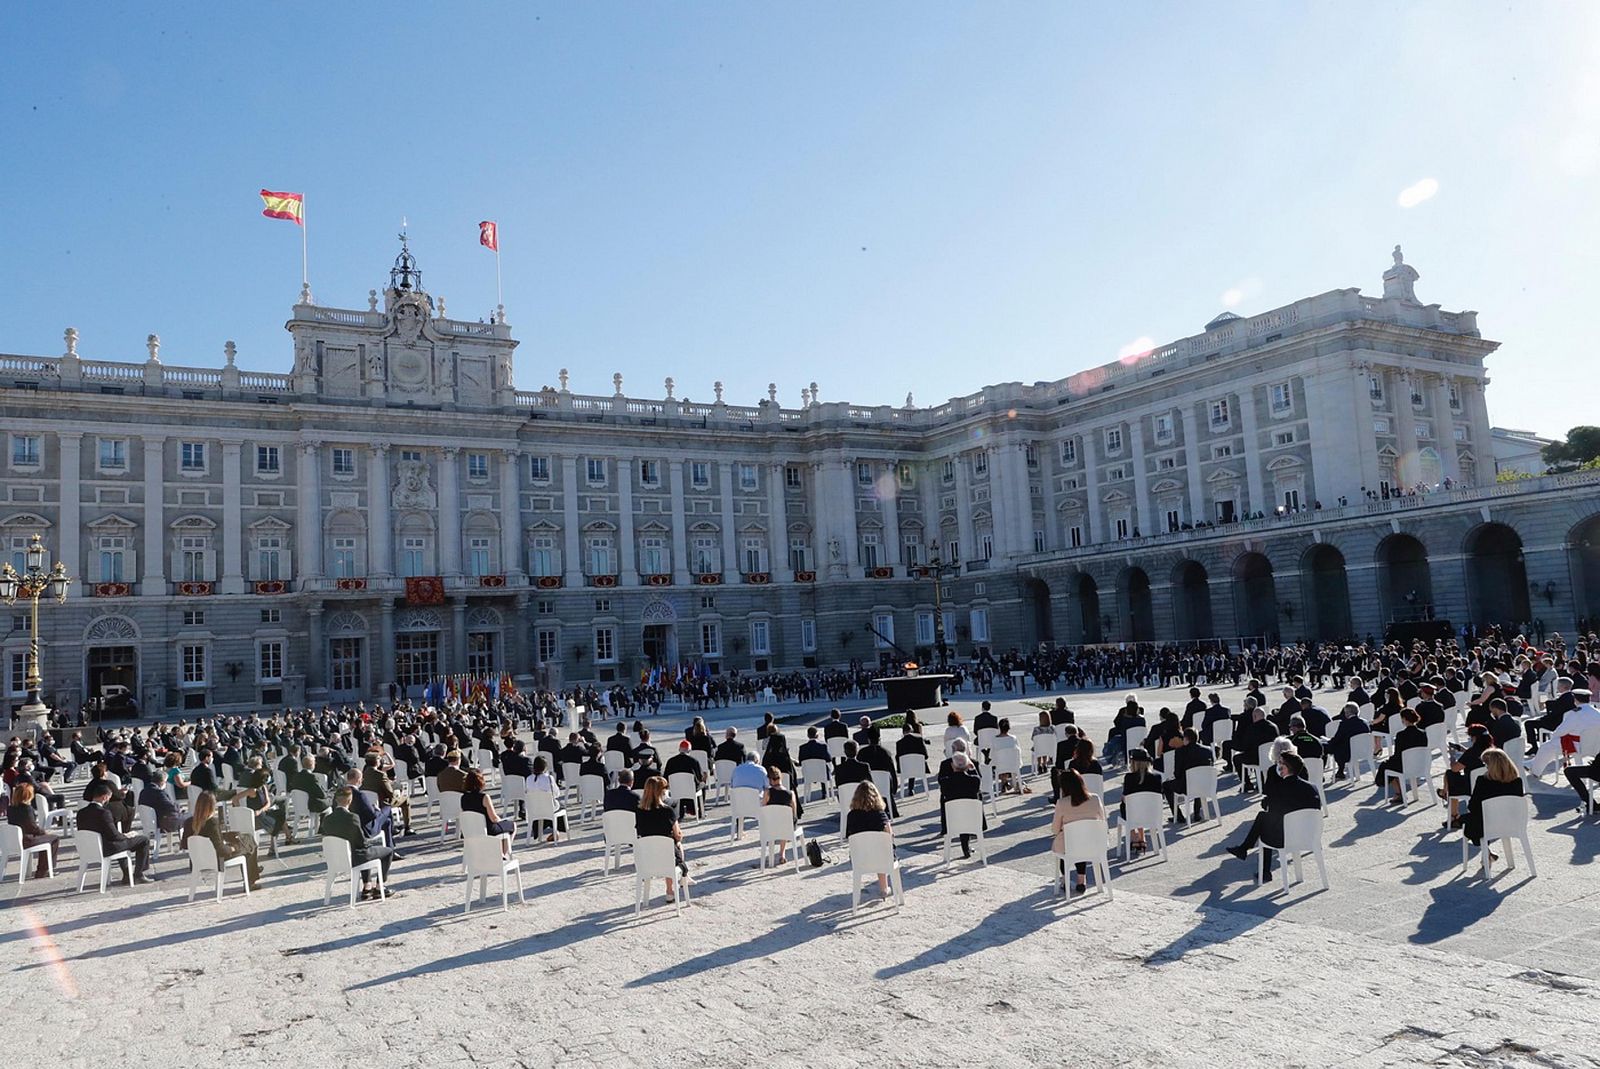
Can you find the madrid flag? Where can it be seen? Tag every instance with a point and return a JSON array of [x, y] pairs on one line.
[[290, 206], [489, 235]]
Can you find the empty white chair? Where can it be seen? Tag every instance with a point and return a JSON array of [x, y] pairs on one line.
[[300, 810], [194, 794], [913, 770], [513, 793], [1436, 738], [620, 829], [91, 851], [430, 793], [986, 737], [591, 796], [336, 856], [685, 789], [484, 859], [145, 817], [964, 816], [227, 779], [725, 770], [1221, 732], [884, 782], [280, 782], [1144, 810], [872, 854], [570, 771], [544, 806], [615, 761], [1504, 819], [1085, 841], [1302, 834], [1415, 771], [449, 814], [777, 826], [203, 862], [1095, 784], [1361, 757], [1201, 786], [1316, 768], [402, 776], [485, 762], [655, 858], [11, 847], [815, 772], [744, 804], [836, 748], [703, 760]]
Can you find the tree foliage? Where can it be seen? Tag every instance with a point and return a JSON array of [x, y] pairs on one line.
[[1581, 447]]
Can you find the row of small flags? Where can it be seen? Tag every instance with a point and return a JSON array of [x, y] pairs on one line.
[[670, 675], [443, 690]]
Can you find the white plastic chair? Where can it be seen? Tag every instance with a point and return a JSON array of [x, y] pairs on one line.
[[150, 824], [1263, 763], [620, 829], [836, 748], [1201, 784], [513, 794], [483, 859], [1095, 784], [1504, 819], [1472, 781], [872, 854], [986, 737], [449, 814], [777, 826], [1221, 732], [815, 772], [300, 810], [1415, 770], [964, 816], [1362, 759], [1144, 810], [1084, 840], [486, 762], [655, 858], [744, 804], [882, 780], [203, 862], [1007, 761], [1316, 769], [913, 770], [570, 771], [725, 770], [1302, 834], [430, 794], [544, 806], [336, 856], [1436, 738], [241, 820], [591, 796], [615, 761], [91, 851], [684, 789], [11, 847]]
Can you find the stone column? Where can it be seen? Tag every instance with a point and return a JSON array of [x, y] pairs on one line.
[[680, 533], [571, 546], [969, 544], [316, 653], [71, 517], [232, 521], [891, 518], [458, 634], [1191, 461], [516, 662], [155, 540], [1091, 482], [820, 517], [1252, 450], [627, 552], [1366, 437], [777, 525], [384, 669], [1001, 511], [1482, 434], [511, 558], [1444, 430], [843, 492], [1408, 471], [380, 531], [1022, 484], [450, 511], [308, 510], [1141, 478], [730, 542]]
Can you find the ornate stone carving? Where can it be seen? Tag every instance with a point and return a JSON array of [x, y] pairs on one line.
[[111, 629], [413, 487]]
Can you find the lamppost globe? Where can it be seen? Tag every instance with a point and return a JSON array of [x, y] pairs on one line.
[[35, 555], [8, 583]]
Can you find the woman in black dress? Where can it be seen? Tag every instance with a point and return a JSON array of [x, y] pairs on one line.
[[206, 822], [867, 813], [658, 816], [1138, 780], [1500, 779], [475, 800]]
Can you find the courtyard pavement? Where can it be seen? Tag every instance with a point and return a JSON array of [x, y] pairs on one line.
[[1402, 961]]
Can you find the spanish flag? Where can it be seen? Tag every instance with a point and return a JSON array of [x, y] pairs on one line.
[[290, 206]]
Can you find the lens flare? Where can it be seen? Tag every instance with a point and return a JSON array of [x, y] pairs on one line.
[[45, 944], [1413, 195], [1135, 349]]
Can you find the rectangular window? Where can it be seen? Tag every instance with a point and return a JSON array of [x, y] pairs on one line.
[[1416, 398], [193, 658], [1226, 511], [711, 638], [344, 558], [1291, 500], [545, 607], [344, 664], [1113, 439], [1113, 474], [272, 616], [1461, 434], [913, 550], [413, 456], [605, 645], [480, 653], [596, 471], [113, 454], [980, 463], [792, 477], [883, 630], [649, 473], [924, 628], [1038, 541], [602, 606], [1075, 536], [808, 636], [194, 617], [986, 545], [949, 474], [1069, 451], [1375, 387], [413, 557], [980, 625], [25, 451], [1123, 527], [760, 638], [1221, 452], [1455, 398], [1381, 426], [269, 460], [747, 477], [269, 662], [1163, 426], [952, 551], [1221, 414], [479, 558], [344, 461], [653, 555], [1424, 429], [600, 559], [755, 555], [870, 547], [907, 477], [1174, 520], [1167, 463], [1283, 438], [864, 473], [113, 560], [704, 555], [548, 642], [542, 556], [416, 656], [192, 553], [19, 675], [192, 456], [799, 555], [477, 466], [700, 474], [708, 601], [1282, 397], [1030, 453], [539, 469], [269, 558]]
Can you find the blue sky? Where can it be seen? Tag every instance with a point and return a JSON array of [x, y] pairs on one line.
[[879, 197]]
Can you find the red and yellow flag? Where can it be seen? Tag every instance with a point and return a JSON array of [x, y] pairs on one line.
[[489, 235], [290, 206]]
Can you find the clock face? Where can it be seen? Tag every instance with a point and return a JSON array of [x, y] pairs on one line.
[[410, 366]]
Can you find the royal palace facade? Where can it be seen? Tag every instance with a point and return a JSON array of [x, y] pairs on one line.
[[393, 508]]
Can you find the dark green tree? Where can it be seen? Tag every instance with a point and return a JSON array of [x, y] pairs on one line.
[[1581, 447]]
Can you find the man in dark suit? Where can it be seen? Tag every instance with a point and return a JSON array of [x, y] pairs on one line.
[[340, 823], [730, 748], [1347, 733], [850, 771], [958, 778], [622, 798], [683, 761], [835, 727], [863, 731], [1255, 734], [1193, 708], [911, 743], [1187, 753], [303, 779], [95, 817], [375, 820], [878, 759], [984, 720], [1316, 719], [514, 761], [1554, 709], [813, 749], [1214, 713], [168, 816]]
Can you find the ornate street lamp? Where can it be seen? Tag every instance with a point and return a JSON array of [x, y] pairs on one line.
[[32, 584], [937, 569]]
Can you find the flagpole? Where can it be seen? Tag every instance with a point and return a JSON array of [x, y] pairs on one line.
[[305, 276], [499, 297]]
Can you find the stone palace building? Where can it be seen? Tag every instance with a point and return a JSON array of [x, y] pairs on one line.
[[393, 508]]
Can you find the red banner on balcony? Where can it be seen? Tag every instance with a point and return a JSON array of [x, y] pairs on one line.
[[194, 589], [548, 582], [659, 579], [350, 584], [270, 586], [491, 581], [112, 590], [708, 578], [758, 578], [425, 590]]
